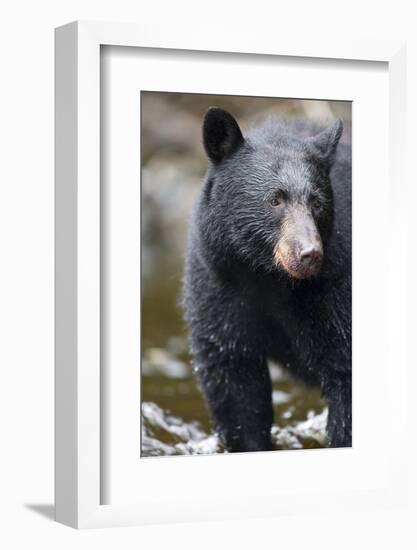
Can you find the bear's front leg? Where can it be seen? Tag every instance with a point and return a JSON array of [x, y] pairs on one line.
[[239, 394], [338, 392]]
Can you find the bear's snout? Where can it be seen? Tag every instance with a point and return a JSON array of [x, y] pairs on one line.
[[299, 250], [311, 256], [300, 265]]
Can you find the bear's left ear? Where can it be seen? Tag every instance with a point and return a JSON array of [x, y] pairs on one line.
[[221, 134], [326, 141]]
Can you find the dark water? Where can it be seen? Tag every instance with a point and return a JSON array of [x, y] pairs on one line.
[[175, 419]]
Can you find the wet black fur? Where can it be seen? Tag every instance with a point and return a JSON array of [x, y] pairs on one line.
[[241, 308]]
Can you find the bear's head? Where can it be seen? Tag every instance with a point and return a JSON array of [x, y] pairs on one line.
[[268, 195]]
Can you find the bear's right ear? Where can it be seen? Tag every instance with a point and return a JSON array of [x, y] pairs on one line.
[[221, 134]]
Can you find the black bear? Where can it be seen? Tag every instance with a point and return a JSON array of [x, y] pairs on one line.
[[268, 273]]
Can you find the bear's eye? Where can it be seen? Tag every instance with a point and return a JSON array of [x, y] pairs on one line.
[[276, 200]]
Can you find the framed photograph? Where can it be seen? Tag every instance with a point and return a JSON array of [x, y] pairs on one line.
[[257, 228], [227, 327]]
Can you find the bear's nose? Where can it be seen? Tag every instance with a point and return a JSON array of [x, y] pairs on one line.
[[310, 255]]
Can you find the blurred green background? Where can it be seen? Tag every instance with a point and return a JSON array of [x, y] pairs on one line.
[[175, 419]]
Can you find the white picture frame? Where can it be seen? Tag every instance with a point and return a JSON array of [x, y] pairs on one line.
[[78, 262]]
